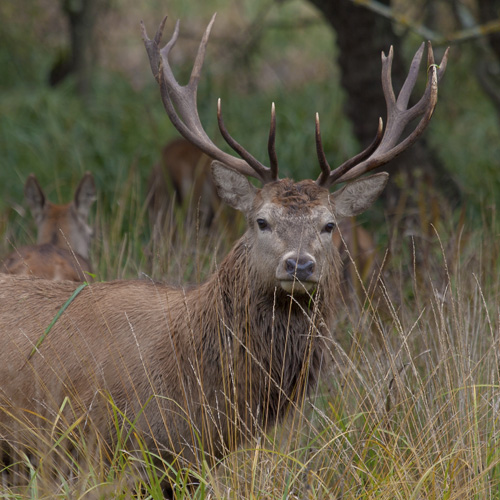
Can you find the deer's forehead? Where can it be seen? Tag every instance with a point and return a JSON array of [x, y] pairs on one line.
[[282, 217], [58, 212], [294, 199]]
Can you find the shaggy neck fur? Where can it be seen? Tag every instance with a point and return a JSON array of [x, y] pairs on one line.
[[264, 343]]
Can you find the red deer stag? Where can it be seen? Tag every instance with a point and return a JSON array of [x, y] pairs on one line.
[[199, 369], [64, 236], [182, 179]]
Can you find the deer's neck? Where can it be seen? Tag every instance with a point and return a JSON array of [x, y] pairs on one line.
[[263, 321], [253, 341]]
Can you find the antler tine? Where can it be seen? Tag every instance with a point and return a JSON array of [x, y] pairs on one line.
[[323, 163], [398, 116], [263, 173], [180, 101], [154, 55], [387, 87], [271, 145], [444, 61], [327, 177], [421, 105], [411, 79]]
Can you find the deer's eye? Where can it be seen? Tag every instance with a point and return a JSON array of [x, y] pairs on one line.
[[329, 227], [263, 225]]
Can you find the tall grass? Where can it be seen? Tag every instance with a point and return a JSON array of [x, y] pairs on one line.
[[408, 409]]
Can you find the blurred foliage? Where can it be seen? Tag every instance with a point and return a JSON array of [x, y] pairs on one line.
[[466, 131], [260, 51], [51, 132]]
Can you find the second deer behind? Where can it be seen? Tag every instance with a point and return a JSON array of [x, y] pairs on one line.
[[182, 179], [63, 235]]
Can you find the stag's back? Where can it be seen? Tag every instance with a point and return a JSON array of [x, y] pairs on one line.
[[63, 235]]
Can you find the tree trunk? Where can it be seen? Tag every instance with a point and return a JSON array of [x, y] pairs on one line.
[[488, 61], [489, 10], [361, 37], [82, 16]]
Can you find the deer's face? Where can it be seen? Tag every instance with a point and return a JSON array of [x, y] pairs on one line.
[[291, 224], [290, 227], [63, 225]]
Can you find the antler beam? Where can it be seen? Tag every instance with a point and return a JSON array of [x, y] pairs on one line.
[[181, 106], [386, 147]]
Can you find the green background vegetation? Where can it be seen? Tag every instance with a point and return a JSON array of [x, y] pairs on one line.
[[259, 53]]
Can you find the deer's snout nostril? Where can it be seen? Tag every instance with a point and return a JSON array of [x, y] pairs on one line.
[[301, 269], [290, 265]]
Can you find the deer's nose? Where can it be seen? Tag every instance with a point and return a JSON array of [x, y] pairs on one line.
[[300, 269]]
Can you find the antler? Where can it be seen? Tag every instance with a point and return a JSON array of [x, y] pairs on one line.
[[385, 147], [180, 104]]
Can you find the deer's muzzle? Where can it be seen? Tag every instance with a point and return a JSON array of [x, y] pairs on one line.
[[297, 268], [301, 268]]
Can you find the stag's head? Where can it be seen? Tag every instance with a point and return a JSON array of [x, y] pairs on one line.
[[290, 224]]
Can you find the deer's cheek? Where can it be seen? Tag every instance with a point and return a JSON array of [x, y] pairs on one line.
[[263, 263]]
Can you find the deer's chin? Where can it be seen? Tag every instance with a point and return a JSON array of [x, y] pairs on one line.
[[298, 287]]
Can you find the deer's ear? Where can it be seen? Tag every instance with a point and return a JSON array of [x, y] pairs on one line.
[[35, 198], [357, 196], [233, 187], [85, 194]]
